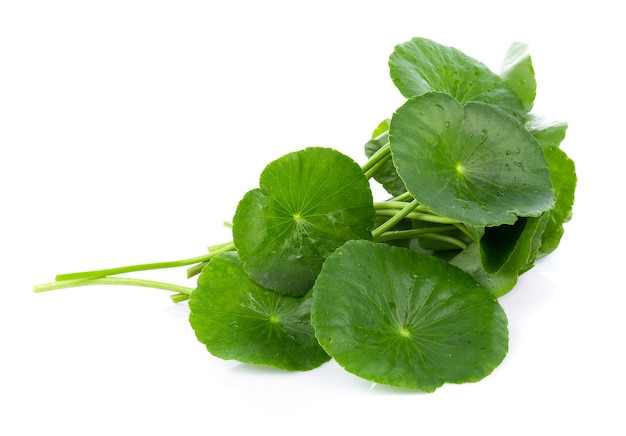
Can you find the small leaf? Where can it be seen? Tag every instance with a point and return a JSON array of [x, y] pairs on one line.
[[518, 73], [420, 66], [237, 319], [472, 163], [406, 319], [309, 203]]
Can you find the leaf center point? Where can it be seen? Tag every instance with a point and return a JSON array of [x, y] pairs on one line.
[[273, 318]]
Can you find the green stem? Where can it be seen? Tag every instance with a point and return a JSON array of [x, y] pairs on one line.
[[373, 170], [195, 270], [462, 245], [408, 234], [217, 247], [465, 231], [382, 154], [399, 205], [142, 267], [113, 281], [418, 216], [395, 219], [403, 197], [179, 298]]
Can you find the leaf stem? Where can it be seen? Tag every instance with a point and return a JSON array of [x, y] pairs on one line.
[[113, 281], [377, 160], [395, 219], [399, 205], [195, 270], [403, 197], [179, 298], [143, 267], [419, 216], [408, 234], [454, 241], [465, 231]]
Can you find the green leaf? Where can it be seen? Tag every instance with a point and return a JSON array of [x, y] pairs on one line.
[[386, 175], [406, 319], [497, 244], [518, 73], [563, 176], [309, 203], [502, 278], [237, 319], [550, 133], [420, 66], [472, 163]]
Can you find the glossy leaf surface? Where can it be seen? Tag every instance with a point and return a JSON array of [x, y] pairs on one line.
[[237, 319], [406, 319], [309, 203], [472, 163]]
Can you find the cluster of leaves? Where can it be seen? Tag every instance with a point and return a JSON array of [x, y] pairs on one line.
[[403, 291]]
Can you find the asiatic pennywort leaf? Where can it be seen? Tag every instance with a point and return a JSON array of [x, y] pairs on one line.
[[421, 65], [394, 316], [237, 319], [473, 163], [309, 203], [518, 73]]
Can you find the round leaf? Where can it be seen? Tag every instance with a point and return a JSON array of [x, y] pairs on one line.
[[473, 163], [397, 317], [237, 319], [420, 66], [309, 203]]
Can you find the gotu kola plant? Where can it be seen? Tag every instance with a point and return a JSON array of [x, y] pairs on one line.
[[401, 291]]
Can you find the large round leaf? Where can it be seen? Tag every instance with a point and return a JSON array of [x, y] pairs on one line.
[[237, 319], [420, 66], [473, 163], [309, 203], [397, 317]]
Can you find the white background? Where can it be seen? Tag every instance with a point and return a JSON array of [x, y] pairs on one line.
[[129, 130]]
